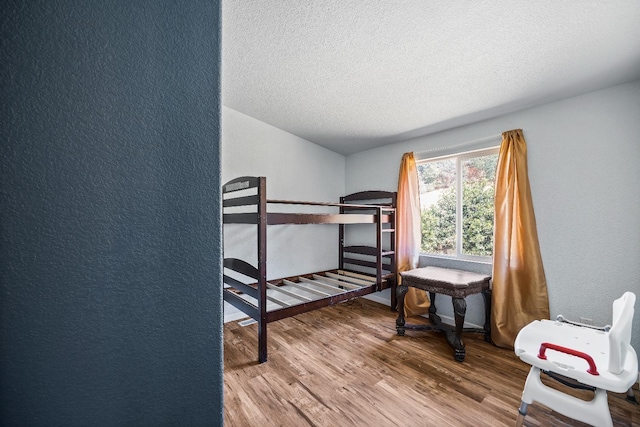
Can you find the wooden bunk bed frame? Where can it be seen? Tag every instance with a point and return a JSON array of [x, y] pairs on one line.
[[362, 269]]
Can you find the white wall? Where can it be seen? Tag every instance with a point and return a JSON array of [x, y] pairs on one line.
[[584, 170], [296, 169]]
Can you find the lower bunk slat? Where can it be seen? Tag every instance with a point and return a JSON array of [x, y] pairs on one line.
[[357, 275], [284, 291], [305, 288], [278, 301], [349, 279], [325, 283], [294, 310], [337, 282]]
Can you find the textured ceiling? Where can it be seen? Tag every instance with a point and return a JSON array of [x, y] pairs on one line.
[[356, 74]]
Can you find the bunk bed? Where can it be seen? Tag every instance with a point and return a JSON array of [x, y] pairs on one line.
[[362, 269]]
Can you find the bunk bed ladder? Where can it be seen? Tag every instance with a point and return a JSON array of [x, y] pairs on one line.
[[341, 238], [382, 227], [379, 248], [262, 269], [392, 251]]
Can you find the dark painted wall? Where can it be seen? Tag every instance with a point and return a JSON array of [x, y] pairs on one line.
[[110, 222]]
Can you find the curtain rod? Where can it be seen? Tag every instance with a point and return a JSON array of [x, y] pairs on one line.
[[464, 144]]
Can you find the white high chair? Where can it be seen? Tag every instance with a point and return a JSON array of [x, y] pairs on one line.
[[599, 359]]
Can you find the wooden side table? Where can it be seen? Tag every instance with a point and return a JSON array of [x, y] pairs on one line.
[[455, 283]]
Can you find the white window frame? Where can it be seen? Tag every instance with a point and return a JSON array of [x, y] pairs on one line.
[[460, 157]]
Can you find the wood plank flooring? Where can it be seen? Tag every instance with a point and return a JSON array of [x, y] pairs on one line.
[[345, 366]]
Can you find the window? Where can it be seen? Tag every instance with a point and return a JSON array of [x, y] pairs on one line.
[[456, 198]]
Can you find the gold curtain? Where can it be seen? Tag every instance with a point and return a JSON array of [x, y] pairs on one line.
[[519, 293], [408, 234]]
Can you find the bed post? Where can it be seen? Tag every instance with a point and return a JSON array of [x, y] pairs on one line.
[[379, 248], [392, 248], [262, 269], [341, 238]]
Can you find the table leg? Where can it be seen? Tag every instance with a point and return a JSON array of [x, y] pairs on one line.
[[401, 291], [486, 294], [459, 310], [432, 303]]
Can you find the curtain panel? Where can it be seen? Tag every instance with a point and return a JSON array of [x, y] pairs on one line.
[[519, 293], [408, 233]]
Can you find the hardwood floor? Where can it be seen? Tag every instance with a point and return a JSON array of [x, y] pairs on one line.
[[345, 366]]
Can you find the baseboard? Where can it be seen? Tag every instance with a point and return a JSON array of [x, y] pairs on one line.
[[377, 298], [451, 321]]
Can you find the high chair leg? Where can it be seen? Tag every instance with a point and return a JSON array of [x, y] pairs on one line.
[[522, 412]]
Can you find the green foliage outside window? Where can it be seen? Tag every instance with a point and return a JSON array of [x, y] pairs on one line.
[[439, 225], [439, 220], [477, 219]]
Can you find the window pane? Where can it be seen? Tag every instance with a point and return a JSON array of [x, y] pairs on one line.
[[478, 176], [438, 204]]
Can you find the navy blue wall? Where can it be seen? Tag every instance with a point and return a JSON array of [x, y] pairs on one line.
[[110, 269]]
